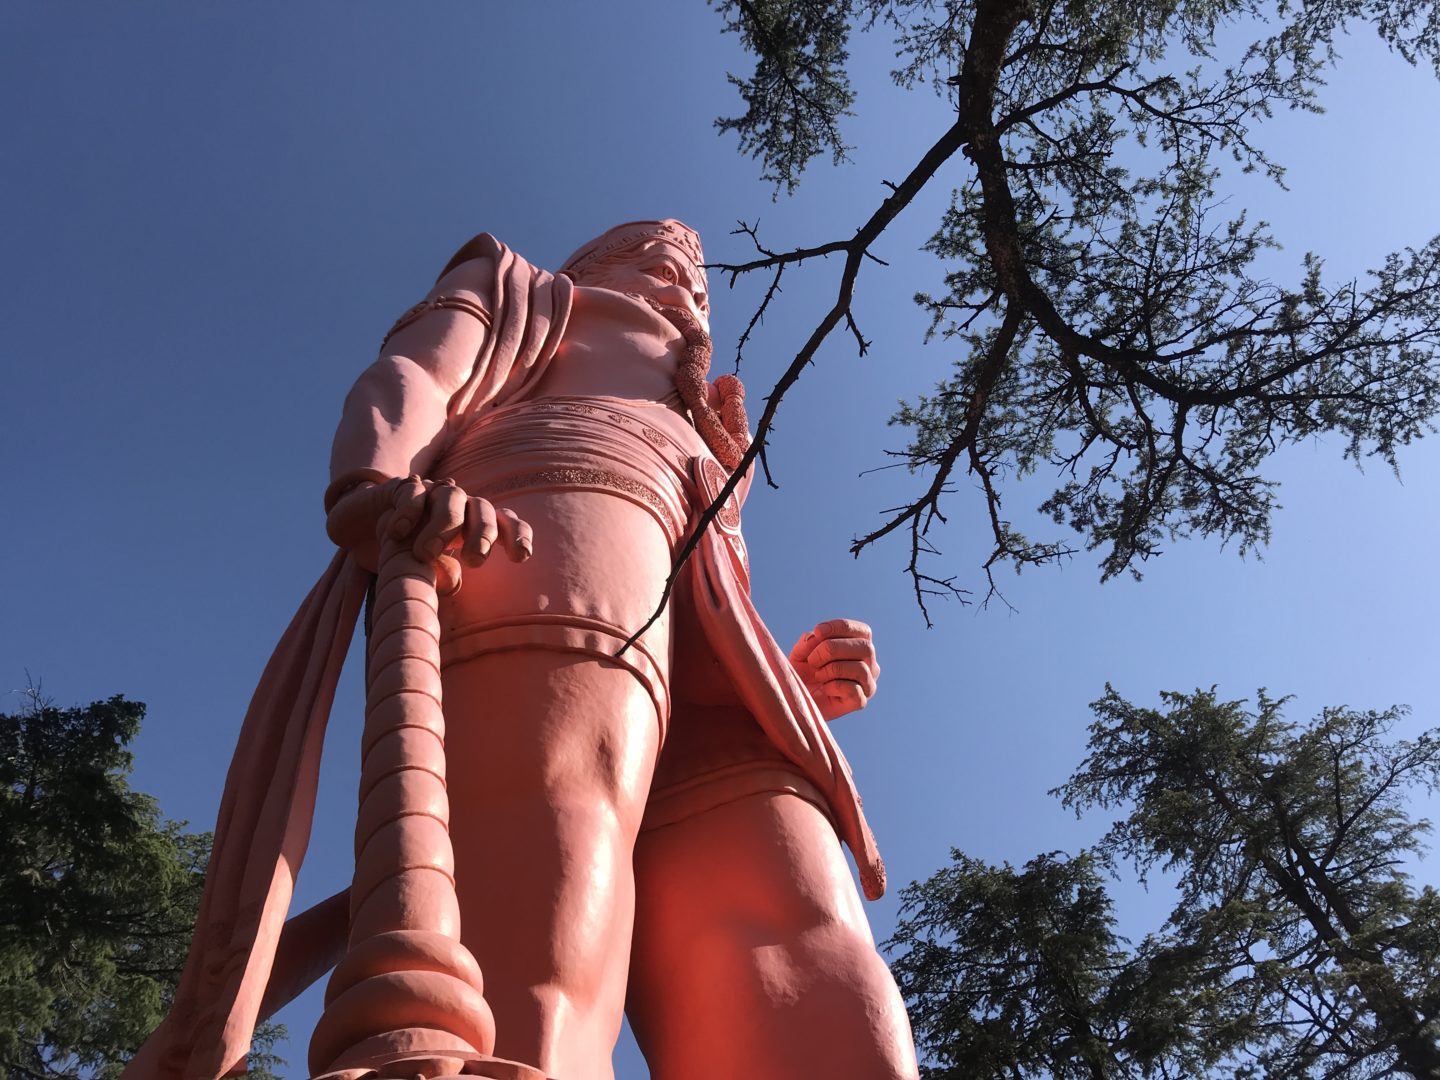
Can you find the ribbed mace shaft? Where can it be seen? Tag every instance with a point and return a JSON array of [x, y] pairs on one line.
[[407, 999]]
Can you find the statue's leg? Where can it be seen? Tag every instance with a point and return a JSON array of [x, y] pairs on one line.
[[752, 956], [550, 756]]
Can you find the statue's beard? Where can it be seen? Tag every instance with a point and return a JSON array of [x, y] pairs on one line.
[[726, 431]]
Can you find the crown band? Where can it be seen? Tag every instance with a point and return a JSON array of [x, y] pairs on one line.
[[628, 235]]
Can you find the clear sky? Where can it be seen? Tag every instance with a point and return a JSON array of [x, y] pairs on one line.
[[212, 212]]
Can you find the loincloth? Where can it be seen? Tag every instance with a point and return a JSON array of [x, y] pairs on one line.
[[716, 755], [712, 751]]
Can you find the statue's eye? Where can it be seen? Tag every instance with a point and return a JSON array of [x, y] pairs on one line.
[[667, 274]]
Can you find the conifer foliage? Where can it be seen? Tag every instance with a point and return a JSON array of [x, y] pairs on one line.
[[98, 895], [1113, 329], [1298, 945]]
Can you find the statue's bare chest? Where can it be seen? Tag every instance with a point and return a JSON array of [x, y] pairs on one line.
[[614, 347]]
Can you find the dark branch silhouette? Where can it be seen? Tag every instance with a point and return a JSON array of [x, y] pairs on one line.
[[1112, 323]]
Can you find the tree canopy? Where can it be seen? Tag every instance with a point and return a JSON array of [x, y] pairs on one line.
[[1297, 947], [1114, 327], [98, 895]]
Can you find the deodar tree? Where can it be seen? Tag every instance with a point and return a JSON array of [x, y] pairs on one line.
[[1289, 844], [1112, 326], [1021, 974], [98, 895], [1298, 947]]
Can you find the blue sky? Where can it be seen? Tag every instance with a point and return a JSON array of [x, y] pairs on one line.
[[211, 213]]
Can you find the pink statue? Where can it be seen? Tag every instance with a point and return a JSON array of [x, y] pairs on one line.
[[655, 828]]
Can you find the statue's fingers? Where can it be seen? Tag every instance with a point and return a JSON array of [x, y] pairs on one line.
[[447, 575], [800, 654], [847, 648], [850, 671], [481, 531], [515, 534], [444, 518], [408, 500], [847, 696], [843, 628]]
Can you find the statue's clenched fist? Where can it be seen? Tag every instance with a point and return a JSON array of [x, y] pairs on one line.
[[439, 520], [836, 661]]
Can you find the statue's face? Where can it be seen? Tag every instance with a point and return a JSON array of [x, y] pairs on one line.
[[659, 270]]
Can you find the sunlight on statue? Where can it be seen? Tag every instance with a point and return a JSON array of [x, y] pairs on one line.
[[598, 809]]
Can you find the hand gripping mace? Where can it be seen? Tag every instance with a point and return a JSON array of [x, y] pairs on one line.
[[407, 1000]]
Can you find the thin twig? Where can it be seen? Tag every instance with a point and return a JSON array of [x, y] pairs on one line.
[[856, 250]]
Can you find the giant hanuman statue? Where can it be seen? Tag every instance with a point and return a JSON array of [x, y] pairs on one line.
[[595, 827]]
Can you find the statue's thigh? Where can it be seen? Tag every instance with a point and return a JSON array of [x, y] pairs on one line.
[[597, 557], [570, 734], [549, 755], [752, 956], [536, 708]]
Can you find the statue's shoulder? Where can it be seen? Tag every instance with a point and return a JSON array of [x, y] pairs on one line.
[[486, 247]]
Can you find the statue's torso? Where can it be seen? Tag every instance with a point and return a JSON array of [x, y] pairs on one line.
[[586, 457], [598, 457]]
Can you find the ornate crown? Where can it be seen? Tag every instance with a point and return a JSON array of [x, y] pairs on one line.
[[628, 235]]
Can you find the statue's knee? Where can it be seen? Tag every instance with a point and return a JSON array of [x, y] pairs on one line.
[[843, 951], [785, 944]]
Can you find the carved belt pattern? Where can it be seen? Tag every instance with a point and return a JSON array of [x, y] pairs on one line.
[[701, 477], [587, 478]]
